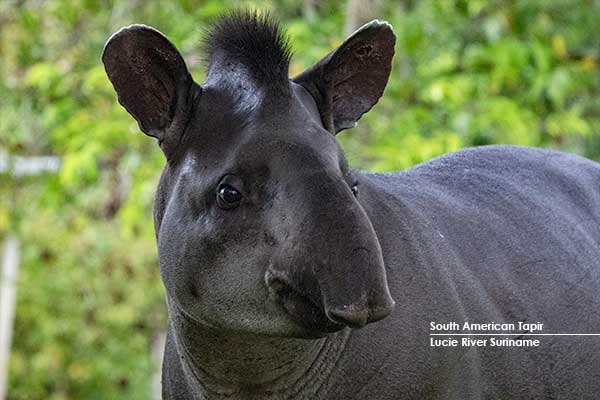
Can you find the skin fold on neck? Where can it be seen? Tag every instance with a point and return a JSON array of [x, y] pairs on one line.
[[246, 366]]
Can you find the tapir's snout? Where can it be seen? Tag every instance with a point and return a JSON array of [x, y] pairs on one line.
[[333, 280], [330, 301], [359, 296]]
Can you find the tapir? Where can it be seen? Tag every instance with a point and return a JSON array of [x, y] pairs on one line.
[[290, 275]]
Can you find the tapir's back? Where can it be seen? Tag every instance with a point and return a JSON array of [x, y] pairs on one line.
[[496, 234]]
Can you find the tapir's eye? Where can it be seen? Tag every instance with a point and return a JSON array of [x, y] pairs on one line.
[[228, 197], [354, 188]]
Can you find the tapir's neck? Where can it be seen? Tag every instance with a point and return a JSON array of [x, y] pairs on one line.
[[244, 366]]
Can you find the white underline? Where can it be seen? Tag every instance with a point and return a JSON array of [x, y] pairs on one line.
[[514, 334]]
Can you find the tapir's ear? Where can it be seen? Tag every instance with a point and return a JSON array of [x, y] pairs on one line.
[[151, 80], [350, 80]]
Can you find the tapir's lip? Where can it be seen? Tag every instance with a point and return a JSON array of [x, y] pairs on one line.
[[300, 307]]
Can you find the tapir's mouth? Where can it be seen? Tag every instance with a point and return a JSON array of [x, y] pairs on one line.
[[302, 309]]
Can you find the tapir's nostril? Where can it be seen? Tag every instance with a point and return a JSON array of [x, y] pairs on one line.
[[379, 313], [352, 316], [358, 316]]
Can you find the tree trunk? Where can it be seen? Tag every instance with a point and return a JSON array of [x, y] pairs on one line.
[[359, 12]]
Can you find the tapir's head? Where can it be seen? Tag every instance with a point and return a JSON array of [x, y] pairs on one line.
[[258, 217]]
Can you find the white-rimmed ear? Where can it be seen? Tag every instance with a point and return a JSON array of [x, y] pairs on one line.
[[350, 80], [150, 78]]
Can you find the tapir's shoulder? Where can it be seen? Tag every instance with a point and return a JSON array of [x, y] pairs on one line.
[[502, 178], [494, 165], [504, 159]]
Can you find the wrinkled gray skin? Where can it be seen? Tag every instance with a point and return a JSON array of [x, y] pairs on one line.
[[264, 295]]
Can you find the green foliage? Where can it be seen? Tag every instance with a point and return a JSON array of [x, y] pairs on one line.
[[466, 72], [482, 72]]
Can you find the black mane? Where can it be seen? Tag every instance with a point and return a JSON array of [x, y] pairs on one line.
[[253, 40]]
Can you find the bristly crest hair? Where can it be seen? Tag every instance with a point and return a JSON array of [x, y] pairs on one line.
[[252, 39]]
